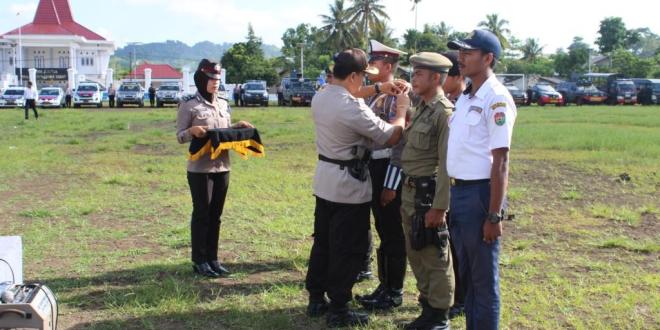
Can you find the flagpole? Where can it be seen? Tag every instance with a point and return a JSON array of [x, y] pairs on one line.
[[20, 52]]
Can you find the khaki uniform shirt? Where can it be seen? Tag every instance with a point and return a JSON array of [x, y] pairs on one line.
[[425, 151], [343, 122], [199, 112]]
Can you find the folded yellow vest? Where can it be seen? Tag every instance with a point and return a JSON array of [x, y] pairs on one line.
[[245, 141]]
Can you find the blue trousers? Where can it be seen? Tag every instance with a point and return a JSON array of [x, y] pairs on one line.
[[477, 260]]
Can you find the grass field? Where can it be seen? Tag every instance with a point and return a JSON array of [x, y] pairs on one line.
[[101, 201]]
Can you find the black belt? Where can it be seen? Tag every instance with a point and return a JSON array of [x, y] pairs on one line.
[[410, 181], [458, 182], [342, 163]]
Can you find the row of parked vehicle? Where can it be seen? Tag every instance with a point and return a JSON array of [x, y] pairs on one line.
[[614, 90], [92, 94]]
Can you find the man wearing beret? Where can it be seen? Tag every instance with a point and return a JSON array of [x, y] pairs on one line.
[[477, 161], [425, 192]]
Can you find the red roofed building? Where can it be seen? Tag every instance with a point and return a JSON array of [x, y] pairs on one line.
[[60, 49], [156, 74]]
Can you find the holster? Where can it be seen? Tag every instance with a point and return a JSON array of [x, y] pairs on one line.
[[420, 236]]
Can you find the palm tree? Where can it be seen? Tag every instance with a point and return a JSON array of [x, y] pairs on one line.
[[498, 27], [383, 33], [338, 28], [531, 49], [414, 8], [366, 13]]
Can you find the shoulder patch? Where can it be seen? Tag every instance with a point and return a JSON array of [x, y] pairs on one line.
[[500, 118], [446, 103], [498, 105]]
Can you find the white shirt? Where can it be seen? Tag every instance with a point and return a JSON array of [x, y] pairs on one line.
[[30, 94], [342, 122], [480, 124]]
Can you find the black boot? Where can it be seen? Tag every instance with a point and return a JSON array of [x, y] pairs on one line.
[[439, 319], [219, 268], [456, 311], [382, 277], [205, 270], [387, 300], [346, 318], [423, 318], [317, 307]]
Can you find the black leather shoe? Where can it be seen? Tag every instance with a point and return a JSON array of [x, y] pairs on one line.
[[456, 311], [387, 300], [205, 270], [218, 268], [346, 319], [377, 292], [317, 308], [421, 321]]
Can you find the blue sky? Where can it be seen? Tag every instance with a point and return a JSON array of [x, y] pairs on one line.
[[554, 23]]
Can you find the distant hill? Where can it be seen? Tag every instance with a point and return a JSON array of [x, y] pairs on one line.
[[177, 53]]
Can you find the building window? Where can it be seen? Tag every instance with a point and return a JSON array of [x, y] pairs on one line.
[[64, 62], [39, 61], [11, 61]]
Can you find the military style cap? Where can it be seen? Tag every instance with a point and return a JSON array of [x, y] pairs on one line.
[[431, 61], [378, 51], [210, 69], [453, 57], [479, 39]]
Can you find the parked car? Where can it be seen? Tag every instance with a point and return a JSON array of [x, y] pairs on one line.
[[582, 92], [648, 90], [13, 97], [519, 97], [621, 91], [297, 92], [130, 93], [88, 93], [543, 94], [255, 93], [168, 94], [51, 97]]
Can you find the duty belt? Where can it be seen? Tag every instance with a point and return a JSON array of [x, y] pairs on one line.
[[410, 181], [458, 182]]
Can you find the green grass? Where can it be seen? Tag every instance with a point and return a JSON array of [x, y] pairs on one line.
[[101, 200]]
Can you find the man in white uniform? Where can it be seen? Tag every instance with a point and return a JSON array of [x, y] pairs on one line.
[[477, 161]]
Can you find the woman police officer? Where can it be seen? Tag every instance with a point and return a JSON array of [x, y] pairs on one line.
[[208, 178]]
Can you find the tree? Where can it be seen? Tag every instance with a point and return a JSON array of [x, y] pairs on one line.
[[531, 50], [313, 44], [366, 13], [498, 27], [245, 61], [383, 33], [629, 65], [340, 33], [575, 61], [612, 34], [643, 42]]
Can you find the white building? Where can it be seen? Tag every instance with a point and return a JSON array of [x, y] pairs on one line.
[[54, 50]]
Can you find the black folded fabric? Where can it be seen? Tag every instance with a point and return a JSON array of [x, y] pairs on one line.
[[245, 141]]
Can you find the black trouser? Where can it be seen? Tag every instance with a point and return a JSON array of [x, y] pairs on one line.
[[208, 191], [31, 104], [111, 101], [67, 99], [237, 98], [340, 242], [391, 255], [152, 99], [459, 288]]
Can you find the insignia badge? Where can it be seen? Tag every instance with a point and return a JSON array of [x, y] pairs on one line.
[[498, 105], [500, 118], [476, 108]]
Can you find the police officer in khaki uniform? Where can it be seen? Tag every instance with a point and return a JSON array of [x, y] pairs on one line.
[[208, 179], [425, 194]]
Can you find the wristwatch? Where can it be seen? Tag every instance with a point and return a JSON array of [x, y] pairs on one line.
[[377, 88], [494, 218]]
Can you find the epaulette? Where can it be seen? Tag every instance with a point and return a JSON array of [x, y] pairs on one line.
[[187, 98]]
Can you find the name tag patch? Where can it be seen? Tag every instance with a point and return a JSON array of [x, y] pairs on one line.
[[498, 105], [475, 108]]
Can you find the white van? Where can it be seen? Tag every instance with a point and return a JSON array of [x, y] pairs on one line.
[[88, 93]]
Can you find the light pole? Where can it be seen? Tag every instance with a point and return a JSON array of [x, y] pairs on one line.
[[19, 58], [302, 60]]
